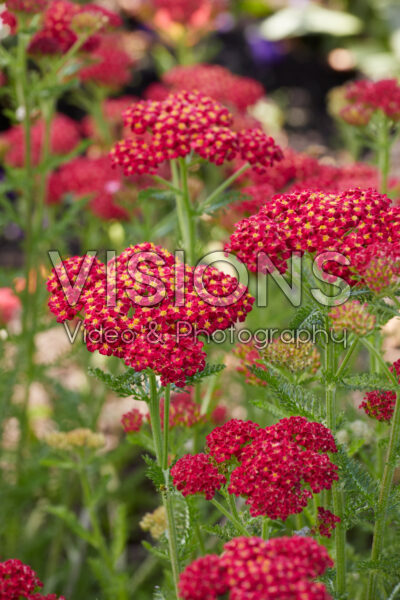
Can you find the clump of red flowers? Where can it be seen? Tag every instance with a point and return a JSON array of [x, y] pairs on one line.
[[249, 357], [234, 91], [196, 474], [64, 137], [364, 97], [277, 469], [20, 582], [186, 122], [92, 177], [380, 404], [10, 305], [132, 421], [251, 569], [65, 22], [27, 6], [315, 222], [109, 64], [134, 308], [326, 522]]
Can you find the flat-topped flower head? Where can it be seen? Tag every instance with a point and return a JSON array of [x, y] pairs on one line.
[[250, 568], [65, 22], [277, 469], [18, 581], [64, 137], [196, 474], [364, 97], [75, 439], [94, 177], [316, 222], [380, 404], [187, 122], [148, 308], [216, 82], [132, 421]]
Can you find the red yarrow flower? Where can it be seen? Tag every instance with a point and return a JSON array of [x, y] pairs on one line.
[[27, 6], [148, 308], [18, 581], [315, 222], [132, 421], [195, 474], [94, 177], [214, 81], [252, 569], [326, 522], [369, 96], [186, 122], [227, 441], [109, 66], [380, 404], [64, 137]]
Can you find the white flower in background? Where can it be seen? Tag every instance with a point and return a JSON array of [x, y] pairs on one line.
[[20, 113]]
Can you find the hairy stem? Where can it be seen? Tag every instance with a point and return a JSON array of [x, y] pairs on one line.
[[337, 494], [239, 526], [162, 456]]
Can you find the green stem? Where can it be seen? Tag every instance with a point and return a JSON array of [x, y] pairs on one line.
[[337, 495], [265, 528], [225, 184], [167, 402], [346, 359], [384, 146], [184, 209], [154, 409], [239, 526], [94, 521]]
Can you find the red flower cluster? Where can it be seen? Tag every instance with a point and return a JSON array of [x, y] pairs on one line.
[[249, 357], [380, 404], [19, 581], [134, 311], [64, 137], [315, 222], [195, 474], [186, 122], [10, 305], [28, 6], [326, 522], [255, 569], [110, 64], [132, 421], [8, 23], [183, 411], [64, 22], [281, 468], [92, 177], [278, 468], [183, 11], [234, 91], [378, 265], [365, 97], [228, 440]]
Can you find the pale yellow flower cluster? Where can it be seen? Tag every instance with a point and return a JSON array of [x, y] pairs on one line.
[[294, 355], [155, 522], [77, 438]]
